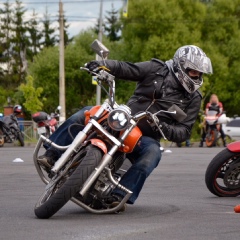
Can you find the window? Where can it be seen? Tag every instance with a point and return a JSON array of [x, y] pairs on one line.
[[234, 123]]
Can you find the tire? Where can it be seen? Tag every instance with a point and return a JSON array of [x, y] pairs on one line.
[[221, 176], [20, 138], [1, 141], [211, 137], [62, 191], [179, 144]]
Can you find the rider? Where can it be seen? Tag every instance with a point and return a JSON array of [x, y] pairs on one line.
[[159, 86], [217, 106]]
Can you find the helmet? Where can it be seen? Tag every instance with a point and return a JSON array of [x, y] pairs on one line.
[[17, 109], [188, 58]]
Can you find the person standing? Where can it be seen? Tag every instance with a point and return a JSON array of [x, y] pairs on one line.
[[213, 105]]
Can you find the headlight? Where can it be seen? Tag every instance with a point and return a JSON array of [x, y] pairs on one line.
[[119, 118]]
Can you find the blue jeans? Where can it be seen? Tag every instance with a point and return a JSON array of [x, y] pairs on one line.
[[144, 158]]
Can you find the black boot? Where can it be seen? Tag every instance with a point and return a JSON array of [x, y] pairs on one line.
[[224, 142], [201, 143], [48, 158]]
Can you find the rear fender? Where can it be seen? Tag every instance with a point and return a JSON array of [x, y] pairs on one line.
[[234, 147], [99, 143]]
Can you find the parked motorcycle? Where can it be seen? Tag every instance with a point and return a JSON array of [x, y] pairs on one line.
[[1, 133], [91, 167], [10, 128], [46, 124], [222, 176], [214, 121]]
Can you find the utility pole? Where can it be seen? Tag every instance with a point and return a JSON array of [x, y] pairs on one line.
[[62, 103], [98, 101]]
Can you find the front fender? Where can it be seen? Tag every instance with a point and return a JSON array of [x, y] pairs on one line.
[[234, 147], [99, 143]]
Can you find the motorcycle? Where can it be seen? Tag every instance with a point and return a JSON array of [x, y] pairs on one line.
[[10, 128], [46, 124], [222, 176], [92, 165], [213, 122], [1, 133]]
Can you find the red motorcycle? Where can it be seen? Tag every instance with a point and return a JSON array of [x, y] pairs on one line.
[[46, 124], [222, 176]]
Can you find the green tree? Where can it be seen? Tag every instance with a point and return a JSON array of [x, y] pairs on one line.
[[113, 25], [67, 39], [45, 70], [32, 96], [222, 39], [50, 39], [20, 42], [35, 37], [6, 43]]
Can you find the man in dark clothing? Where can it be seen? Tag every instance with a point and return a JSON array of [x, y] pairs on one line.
[[159, 86]]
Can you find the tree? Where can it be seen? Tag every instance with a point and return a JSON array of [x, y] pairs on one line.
[[35, 37], [222, 38], [48, 32], [67, 40], [20, 42], [112, 26], [6, 43], [33, 101]]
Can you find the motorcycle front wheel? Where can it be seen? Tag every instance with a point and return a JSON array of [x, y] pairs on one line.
[[59, 193], [222, 176], [20, 138], [211, 137]]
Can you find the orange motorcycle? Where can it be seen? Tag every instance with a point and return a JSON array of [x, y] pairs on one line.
[[91, 166]]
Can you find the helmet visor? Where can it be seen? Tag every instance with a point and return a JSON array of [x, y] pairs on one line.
[[198, 63]]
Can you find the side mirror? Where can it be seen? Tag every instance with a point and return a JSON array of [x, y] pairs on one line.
[[180, 114], [100, 49]]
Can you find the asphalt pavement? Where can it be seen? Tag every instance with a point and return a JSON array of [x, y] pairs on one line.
[[173, 205]]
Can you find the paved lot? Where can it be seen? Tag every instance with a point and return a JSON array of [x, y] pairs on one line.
[[174, 204]]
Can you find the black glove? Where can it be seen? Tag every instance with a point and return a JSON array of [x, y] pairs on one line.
[[93, 66]]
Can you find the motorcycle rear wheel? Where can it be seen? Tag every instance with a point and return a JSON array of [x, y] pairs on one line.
[[54, 198], [211, 138], [222, 174]]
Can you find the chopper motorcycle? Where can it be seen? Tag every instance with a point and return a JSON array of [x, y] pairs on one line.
[[10, 128], [91, 166], [222, 176], [46, 124]]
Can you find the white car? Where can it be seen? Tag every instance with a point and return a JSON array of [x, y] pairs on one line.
[[232, 128]]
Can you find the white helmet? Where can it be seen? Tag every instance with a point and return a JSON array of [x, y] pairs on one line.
[[187, 58]]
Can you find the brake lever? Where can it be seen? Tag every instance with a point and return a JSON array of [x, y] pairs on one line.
[[154, 122]]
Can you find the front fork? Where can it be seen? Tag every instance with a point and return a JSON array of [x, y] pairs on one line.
[[72, 149]]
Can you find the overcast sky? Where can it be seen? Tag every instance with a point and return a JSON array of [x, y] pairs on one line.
[[80, 14]]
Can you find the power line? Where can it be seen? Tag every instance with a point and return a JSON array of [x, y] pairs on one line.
[[79, 1]]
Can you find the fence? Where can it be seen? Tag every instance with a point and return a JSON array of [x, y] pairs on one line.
[[29, 130]]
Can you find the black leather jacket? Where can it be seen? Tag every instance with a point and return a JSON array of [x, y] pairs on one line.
[[157, 88]]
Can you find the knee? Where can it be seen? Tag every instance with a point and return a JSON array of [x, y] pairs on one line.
[[150, 159], [79, 116]]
